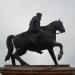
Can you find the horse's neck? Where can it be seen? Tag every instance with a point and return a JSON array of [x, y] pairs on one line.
[[49, 28]]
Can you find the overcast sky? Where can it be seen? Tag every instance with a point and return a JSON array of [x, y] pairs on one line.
[[15, 16]]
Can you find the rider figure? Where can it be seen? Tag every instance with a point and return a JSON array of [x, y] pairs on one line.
[[34, 27]]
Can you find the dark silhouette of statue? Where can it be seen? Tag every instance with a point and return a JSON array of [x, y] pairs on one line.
[[32, 40]]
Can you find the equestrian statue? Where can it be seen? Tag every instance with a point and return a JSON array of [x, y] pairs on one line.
[[36, 38]]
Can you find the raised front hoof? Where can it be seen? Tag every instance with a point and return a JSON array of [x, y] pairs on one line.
[[59, 56]]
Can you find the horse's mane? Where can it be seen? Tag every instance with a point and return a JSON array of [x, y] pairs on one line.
[[44, 27], [50, 25]]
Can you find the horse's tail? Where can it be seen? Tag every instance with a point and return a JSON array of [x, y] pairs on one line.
[[10, 46]]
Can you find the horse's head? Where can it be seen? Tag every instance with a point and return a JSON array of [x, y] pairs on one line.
[[56, 25], [59, 26]]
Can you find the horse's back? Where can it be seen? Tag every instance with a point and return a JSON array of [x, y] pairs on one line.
[[23, 34]]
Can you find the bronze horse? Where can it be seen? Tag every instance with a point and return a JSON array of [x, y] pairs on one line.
[[22, 42]]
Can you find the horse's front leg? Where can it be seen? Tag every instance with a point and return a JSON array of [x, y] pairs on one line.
[[53, 55], [61, 50]]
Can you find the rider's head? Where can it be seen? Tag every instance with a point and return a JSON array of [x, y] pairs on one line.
[[39, 15]]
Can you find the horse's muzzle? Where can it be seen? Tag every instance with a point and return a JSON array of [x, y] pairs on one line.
[[63, 31]]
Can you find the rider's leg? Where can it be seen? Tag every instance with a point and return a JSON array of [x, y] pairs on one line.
[[37, 35]]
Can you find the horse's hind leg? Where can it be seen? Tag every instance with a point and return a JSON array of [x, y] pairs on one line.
[[13, 60], [53, 55], [17, 55]]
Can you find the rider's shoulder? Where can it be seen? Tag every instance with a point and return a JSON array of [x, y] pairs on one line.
[[34, 17]]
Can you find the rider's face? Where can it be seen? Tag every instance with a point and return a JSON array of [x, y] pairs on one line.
[[39, 16]]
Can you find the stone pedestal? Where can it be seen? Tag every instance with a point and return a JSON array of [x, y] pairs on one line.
[[37, 70]]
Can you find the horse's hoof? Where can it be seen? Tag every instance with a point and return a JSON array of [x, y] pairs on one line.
[[59, 56], [24, 63], [56, 64]]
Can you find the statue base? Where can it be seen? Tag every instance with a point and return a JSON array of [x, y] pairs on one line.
[[37, 70]]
